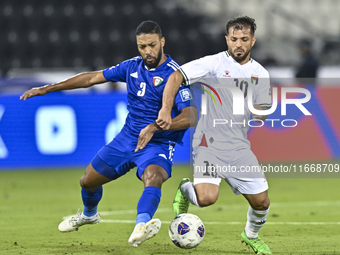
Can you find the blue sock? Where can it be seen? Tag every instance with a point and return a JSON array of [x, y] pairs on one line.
[[148, 204], [91, 200]]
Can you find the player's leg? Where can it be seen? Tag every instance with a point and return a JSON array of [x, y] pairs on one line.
[[181, 202], [256, 218], [257, 213], [146, 227], [249, 180], [207, 193], [255, 190], [92, 190], [91, 183], [154, 168], [202, 192], [153, 178], [205, 188]]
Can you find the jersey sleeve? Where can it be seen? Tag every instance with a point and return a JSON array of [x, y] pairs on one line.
[[262, 91], [117, 73], [196, 70], [184, 98]]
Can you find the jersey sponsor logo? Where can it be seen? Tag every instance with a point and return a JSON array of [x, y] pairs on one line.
[[226, 73], [157, 80], [134, 75], [254, 79], [185, 94]]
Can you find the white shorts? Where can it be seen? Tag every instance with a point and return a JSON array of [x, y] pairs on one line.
[[238, 186], [239, 169]]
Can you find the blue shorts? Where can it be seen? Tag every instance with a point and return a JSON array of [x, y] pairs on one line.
[[118, 157]]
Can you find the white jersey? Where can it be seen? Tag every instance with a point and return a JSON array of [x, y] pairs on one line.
[[219, 128]]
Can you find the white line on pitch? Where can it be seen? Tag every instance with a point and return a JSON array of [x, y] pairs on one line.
[[159, 210], [232, 222], [230, 207], [119, 212], [237, 206]]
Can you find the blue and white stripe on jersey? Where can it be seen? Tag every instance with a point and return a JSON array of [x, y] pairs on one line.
[[173, 65]]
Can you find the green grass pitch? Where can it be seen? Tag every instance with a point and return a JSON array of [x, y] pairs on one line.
[[304, 216]]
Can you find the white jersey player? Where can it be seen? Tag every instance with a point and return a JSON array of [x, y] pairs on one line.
[[220, 145], [221, 72]]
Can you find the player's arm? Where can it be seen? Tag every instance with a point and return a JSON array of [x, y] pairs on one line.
[[189, 73], [187, 118], [82, 80], [164, 120]]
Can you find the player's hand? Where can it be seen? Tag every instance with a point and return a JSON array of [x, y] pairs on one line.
[[259, 117], [33, 92], [164, 119], [145, 135]]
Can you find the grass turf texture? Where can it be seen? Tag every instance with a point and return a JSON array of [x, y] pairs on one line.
[[32, 204]]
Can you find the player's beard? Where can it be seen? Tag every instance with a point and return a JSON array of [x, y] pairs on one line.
[[156, 62], [241, 58]]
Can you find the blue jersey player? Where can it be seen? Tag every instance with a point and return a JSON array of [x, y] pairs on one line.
[[141, 143]]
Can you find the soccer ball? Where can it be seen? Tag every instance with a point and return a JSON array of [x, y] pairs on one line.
[[186, 231]]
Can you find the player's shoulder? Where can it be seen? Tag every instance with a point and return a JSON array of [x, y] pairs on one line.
[[259, 69], [126, 63], [132, 64], [215, 57], [136, 59], [206, 61], [171, 63]]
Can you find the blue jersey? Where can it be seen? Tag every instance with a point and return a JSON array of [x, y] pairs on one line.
[[145, 91]]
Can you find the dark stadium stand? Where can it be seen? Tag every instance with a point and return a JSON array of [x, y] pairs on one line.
[[95, 34]]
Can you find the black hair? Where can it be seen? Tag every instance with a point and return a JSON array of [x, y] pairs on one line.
[[149, 27], [241, 21]]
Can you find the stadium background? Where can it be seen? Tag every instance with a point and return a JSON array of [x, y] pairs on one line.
[[47, 41]]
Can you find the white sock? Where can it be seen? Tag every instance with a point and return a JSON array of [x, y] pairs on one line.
[[255, 221], [188, 190]]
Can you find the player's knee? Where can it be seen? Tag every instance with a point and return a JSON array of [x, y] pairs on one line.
[[266, 203], [206, 200], [153, 179], [85, 184], [262, 204]]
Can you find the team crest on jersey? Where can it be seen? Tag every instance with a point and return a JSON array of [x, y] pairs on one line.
[[157, 80], [226, 73], [254, 79]]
